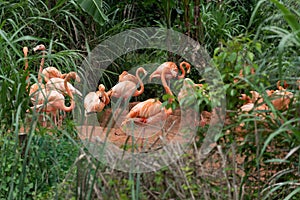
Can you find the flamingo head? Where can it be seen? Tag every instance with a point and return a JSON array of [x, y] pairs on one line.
[[72, 75], [25, 50], [40, 47], [101, 88], [124, 73], [77, 78], [187, 82]]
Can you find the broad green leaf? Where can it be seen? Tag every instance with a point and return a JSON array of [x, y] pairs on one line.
[[250, 56], [258, 47], [232, 57], [94, 8]]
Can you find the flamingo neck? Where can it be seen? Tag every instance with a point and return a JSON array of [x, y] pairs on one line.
[[101, 89], [25, 50], [140, 81], [71, 107], [183, 73], [25, 58], [285, 85], [107, 100], [41, 67], [165, 85], [164, 82]]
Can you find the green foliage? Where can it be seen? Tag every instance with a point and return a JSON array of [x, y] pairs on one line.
[[220, 24], [37, 173], [95, 9], [236, 61], [279, 30], [197, 97]]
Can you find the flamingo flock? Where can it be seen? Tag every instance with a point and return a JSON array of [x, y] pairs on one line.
[[149, 111], [280, 99], [48, 94]]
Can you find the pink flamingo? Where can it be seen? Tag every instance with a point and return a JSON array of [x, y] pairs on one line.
[[126, 88], [51, 101], [36, 86], [48, 72], [151, 110], [171, 71], [96, 101]]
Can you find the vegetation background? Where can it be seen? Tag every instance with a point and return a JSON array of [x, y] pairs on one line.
[[243, 34]]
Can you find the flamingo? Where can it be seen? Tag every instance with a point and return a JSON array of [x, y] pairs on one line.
[[25, 51], [48, 72], [36, 86], [280, 98], [51, 101], [171, 70], [53, 77], [127, 88], [58, 84], [250, 102], [96, 101], [52, 72], [188, 92], [151, 110], [125, 76]]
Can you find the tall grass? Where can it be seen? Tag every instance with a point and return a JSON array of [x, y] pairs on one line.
[[284, 65], [33, 164]]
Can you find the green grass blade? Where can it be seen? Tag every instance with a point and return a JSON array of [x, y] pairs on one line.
[[297, 190], [254, 12], [290, 18]]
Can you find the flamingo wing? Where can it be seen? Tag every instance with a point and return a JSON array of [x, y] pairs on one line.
[[124, 89], [92, 103], [125, 76], [47, 100], [51, 72], [58, 84], [149, 111], [170, 73]]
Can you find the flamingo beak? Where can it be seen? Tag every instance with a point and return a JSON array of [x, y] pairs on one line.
[[188, 70], [35, 49], [77, 78]]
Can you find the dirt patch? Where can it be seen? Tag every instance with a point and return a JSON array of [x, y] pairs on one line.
[[143, 137]]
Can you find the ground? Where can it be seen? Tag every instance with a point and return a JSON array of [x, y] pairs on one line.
[[145, 137]]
